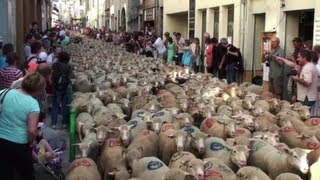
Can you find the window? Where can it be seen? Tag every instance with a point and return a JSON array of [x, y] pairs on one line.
[[230, 21], [192, 4], [216, 23]]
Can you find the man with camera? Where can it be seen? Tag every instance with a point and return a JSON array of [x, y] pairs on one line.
[[307, 80], [276, 67]]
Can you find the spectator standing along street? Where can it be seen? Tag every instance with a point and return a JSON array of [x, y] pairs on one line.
[[18, 127], [276, 68], [11, 73], [60, 80], [180, 42], [315, 110], [229, 61], [307, 81], [52, 58], [27, 46], [7, 50], [159, 45]]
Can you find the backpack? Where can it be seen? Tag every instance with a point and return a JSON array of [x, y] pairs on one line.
[[63, 81], [240, 65]]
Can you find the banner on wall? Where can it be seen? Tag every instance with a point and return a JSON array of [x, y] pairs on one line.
[[316, 31]]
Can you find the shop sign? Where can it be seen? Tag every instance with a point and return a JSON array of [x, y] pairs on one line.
[[316, 33], [149, 14]]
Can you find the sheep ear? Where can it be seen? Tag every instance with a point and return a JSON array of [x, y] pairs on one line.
[[133, 126], [300, 136], [140, 149], [288, 151], [112, 173], [124, 152], [171, 135], [95, 130]]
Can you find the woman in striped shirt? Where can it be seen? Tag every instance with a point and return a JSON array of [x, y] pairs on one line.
[[11, 73]]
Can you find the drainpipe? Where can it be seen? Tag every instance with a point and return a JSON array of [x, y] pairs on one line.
[[158, 16], [243, 13]]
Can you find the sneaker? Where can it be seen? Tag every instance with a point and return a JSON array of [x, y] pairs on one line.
[[54, 126]]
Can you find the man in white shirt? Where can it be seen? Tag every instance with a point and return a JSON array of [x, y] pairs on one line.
[[180, 43], [307, 81], [52, 58], [159, 45]]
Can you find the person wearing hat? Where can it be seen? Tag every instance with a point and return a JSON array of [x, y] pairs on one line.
[[230, 60], [62, 41]]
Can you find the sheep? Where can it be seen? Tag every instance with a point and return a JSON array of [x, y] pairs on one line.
[[83, 168], [110, 156], [234, 157], [84, 122], [177, 174], [180, 159], [149, 168], [89, 146], [197, 143], [287, 176], [145, 144], [183, 120], [218, 128], [289, 160], [250, 172], [178, 141], [216, 169]]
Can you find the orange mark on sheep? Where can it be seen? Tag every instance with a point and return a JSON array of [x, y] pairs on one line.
[[114, 143], [209, 122], [315, 122], [210, 173], [167, 127]]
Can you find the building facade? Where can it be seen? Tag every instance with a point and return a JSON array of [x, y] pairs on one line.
[[123, 13], [16, 17], [152, 15], [245, 23]]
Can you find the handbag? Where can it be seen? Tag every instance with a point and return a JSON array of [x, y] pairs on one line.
[[3, 94]]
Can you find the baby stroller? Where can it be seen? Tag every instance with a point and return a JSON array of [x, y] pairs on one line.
[[51, 168], [46, 161]]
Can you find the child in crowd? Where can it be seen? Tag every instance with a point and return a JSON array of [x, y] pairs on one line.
[[42, 151], [170, 53], [187, 54]]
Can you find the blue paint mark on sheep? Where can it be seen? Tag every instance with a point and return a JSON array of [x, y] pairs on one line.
[[189, 130], [132, 122], [140, 114], [215, 146], [159, 114], [153, 165]]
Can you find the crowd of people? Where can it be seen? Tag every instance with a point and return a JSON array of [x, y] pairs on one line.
[[296, 79], [25, 85], [222, 59]]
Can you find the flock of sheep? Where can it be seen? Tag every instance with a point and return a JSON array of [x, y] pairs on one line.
[[139, 118]]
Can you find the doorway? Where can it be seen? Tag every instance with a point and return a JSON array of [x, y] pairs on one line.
[[123, 18]]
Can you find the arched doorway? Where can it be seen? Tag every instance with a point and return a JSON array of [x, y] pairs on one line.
[[123, 18]]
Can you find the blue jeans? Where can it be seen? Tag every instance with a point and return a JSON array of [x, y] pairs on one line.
[[231, 73], [308, 103], [59, 97]]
